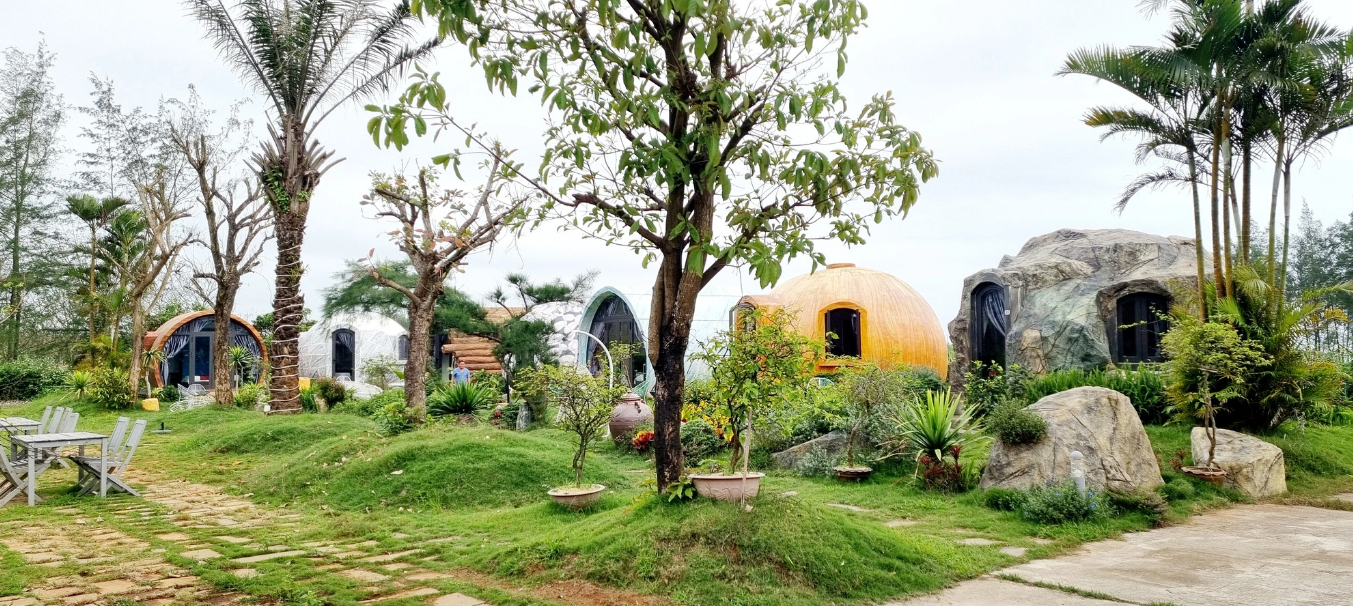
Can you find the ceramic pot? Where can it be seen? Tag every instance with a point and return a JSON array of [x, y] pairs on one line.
[[628, 414], [1212, 475], [574, 497], [728, 488], [853, 474]]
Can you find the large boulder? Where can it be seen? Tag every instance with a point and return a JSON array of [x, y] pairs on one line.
[[1253, 467], [1101, 424], [1061, 294], [834, 444]]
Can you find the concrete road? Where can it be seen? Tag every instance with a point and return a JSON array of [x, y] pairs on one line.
[[1245, 555]]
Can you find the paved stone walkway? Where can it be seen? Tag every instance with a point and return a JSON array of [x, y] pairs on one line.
[[185, 521], [1249, 555]]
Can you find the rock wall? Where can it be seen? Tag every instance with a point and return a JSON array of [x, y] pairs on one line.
[[1061, 291]]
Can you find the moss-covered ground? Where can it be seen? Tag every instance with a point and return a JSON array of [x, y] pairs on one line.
[[481, 490]]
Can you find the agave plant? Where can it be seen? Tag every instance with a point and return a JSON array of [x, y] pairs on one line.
[[78, 382], [932, 427], [460, 399]]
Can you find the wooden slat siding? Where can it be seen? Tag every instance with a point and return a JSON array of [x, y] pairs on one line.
[[477, 352]]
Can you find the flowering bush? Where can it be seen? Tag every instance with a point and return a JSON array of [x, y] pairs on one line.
[[939, 473], [1063, 503], [642, 441]]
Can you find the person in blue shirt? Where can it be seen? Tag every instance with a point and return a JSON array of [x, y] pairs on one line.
[[461, 374]]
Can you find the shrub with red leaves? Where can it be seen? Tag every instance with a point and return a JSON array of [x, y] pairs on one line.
[[642, 440]]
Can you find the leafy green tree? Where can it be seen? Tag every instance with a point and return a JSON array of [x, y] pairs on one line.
[[308, 58], [701, 135], [31, 115], [95, 214]]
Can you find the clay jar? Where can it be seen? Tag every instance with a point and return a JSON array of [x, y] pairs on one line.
[[628, 414]]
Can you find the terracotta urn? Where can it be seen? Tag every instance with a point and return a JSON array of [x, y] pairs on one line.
[[577, 497], [628, 414], [728, 488]]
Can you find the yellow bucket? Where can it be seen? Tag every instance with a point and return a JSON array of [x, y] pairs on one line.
[[151, 404], [305, 382]]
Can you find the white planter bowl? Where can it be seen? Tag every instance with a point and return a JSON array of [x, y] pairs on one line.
[[728, 488], [574, 497]]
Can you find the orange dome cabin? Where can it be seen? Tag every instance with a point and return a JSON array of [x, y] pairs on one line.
[[186, 340], [871, 316]]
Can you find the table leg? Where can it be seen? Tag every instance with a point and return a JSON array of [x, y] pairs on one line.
[[32, 481], [103, 468]]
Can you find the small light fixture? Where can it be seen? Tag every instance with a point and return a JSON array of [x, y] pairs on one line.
[[1078, 470], [162, 429]]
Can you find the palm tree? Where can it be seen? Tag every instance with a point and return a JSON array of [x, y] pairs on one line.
[[95, 214], [307, 57]]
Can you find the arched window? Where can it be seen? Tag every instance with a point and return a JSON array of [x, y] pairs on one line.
[[843, 332], [403, 347], [614, 323], [1141, 321], [345, 348], [990, 324]]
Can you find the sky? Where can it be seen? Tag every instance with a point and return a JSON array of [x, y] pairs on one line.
[[975, 79]]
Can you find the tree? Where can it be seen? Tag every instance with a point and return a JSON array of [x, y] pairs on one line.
[[308, 57], [437, 230], [701, 135], [160, 210], [95, 214], [238, 221], [31, 115]]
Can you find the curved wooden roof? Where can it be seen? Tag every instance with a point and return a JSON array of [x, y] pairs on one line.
[[897, 323], [154, 340]]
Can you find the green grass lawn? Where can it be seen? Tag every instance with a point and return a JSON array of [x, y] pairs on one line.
[[486, 487]]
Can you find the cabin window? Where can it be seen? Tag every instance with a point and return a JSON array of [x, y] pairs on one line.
[[614, 324], [403, 347], [989, 324], [1140, 324], [843, 332], [345, 347]]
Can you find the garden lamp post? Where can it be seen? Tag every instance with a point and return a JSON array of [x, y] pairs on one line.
[[610, 363], [1078, 470]]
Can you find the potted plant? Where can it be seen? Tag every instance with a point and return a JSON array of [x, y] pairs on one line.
[[585, 404], [751, 368], [867, 388]]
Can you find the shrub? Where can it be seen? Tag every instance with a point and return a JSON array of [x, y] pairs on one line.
[[491, 381], [1141, 384], [394, 418], [1177, 489], [642, 441], [308, 403], [78, 382], [111, 389], [1063, 503], [167, 394], [1146, 503], [932, 427], [699, 441], [370, 406], [1013, 424], [460, 399], [28, 378], [250, 395], [986, 386], [332, 391], [1003, 499], [817, 462], [380, 370]]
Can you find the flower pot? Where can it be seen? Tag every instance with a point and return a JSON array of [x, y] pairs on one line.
[[1212, 475], [628, 414], [853, 474], [728, 488], [151, 404], [577, 497]]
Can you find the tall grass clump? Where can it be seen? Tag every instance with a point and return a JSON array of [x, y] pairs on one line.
[[1141, 384]]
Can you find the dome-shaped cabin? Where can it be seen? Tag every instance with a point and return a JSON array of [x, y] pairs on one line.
[[186, 340], [873, 317]]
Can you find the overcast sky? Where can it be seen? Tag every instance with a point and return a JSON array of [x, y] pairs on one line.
[[974, 78]]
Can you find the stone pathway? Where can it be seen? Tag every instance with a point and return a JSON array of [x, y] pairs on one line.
[[1242, 556], [181, 521]]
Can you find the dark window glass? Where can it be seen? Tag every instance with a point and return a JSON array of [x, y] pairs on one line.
[[989, 324], [843, 326], [1141, 321], [403, 347], [614, 324], [344, 347], [202, 359]]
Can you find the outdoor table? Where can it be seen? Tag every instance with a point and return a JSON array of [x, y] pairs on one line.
[[12, 425], [35, 443]]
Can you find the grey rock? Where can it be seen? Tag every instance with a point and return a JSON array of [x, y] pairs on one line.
[[1253, 467], [1061, 293], [1101, 424], [833, 443]]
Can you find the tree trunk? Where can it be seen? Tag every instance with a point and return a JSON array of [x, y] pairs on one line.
[[1227, 203], [1246, 164], [220, 346], [1218, 276], [1287, 227], [93, 287], [16, 290], [416, 367], [1198, 238], [1273, 212], [288, 310], [138, 348]]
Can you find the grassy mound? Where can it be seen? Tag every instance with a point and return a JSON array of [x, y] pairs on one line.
[[247, 433], [435, 467]]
